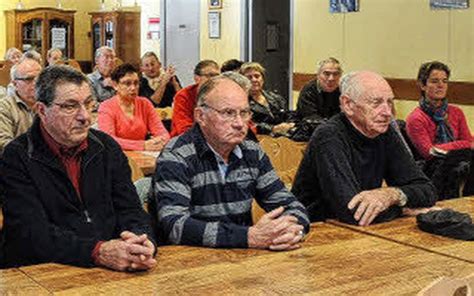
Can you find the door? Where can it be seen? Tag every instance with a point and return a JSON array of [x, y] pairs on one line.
[[180, 46], [270, 42]]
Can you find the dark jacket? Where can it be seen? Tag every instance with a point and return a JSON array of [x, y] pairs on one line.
[[266, 118], [341, 162], [44, 218], [146, 91], [313, 103]]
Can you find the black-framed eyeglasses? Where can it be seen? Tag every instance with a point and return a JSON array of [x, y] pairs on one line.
[[229, 114], [73, 107], [128, 83]]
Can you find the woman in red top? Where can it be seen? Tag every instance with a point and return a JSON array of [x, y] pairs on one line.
[[436, 127], [131, 120]]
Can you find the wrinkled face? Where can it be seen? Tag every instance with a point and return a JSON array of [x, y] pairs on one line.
[[26, 74], [151, 67], [328, 77], [206, 73], [106, 63], [55, 57], [371, 113], [68, 118], [256, 78], [224, 119], [436, 86]]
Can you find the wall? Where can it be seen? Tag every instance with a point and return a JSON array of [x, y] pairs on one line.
[[228, 46], [390, 37]]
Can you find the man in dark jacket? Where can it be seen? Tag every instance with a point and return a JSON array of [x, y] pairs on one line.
[[350, 156], [319, 98], [69, 195]]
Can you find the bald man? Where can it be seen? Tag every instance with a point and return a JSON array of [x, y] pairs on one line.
[[350, 156]]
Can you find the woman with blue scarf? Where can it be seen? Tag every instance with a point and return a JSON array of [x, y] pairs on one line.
[[436, 127]]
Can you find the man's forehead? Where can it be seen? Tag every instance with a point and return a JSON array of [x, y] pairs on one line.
[[330, 66], [227, 91]]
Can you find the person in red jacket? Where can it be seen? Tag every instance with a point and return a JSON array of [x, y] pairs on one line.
[[185, 100], [436, 127]]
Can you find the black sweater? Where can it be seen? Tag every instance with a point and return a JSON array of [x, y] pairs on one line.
[[340, 162]]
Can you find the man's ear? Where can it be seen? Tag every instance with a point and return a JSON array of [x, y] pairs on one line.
[[40, 108], [346, 104], [199, 115], [114, 85]]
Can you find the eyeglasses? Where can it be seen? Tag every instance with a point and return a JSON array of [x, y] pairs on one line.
[[330, 73], [70, 108], [229, 114], [128, 83], [26, 78]]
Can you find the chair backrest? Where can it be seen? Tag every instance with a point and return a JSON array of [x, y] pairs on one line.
[[137, 172], [5, 74], [450, 287], [165, 113]]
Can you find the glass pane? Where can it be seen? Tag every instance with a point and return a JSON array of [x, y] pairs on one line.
[[96, 40], [59, 36], [109, 34], [32, 35]]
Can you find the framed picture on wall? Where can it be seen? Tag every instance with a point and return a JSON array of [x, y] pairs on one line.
[[215, 4], [343, 6], [214, 24], [449, 4]]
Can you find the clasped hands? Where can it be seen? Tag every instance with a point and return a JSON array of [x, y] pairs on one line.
[[369, 204], [154, 144], [129, 253], [276, 232]]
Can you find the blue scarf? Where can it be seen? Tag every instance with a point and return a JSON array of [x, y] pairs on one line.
[[444, 133]]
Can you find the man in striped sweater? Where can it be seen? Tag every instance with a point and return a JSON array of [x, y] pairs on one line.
[[207, 178]]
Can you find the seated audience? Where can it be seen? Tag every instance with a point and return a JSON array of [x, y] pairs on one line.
[[269, 109], [54, 56], [100, 78], [231, 65], [16, 109], [436, 127], [185, 100], [319, 98], [69, 196], [159, 86], [130, 119], [353, 153], [13, 55], [207, 178]]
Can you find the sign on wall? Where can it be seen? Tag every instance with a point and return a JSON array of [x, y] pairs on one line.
[[449, 4], [343, 6]]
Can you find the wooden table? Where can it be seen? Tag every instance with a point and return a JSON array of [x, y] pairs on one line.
[[405, 231], [332, 261], [15, 282], [146, 162]]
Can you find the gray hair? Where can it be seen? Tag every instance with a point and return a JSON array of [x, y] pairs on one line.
[[209, 85], [33, 54], [352, 85], [329, 60], [14, 69], [10, 52], [51, 50], [102, 50], [53, 76]]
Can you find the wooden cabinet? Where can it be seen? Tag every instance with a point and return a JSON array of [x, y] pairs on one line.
[[40, 29], [119, 30]]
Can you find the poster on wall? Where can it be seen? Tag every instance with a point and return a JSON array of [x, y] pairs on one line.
[[343, 6], [449, 4]]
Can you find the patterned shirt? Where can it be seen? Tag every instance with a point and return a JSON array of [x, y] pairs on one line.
[[196, 205]]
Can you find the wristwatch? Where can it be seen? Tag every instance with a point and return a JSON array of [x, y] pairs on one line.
[[402, 198]]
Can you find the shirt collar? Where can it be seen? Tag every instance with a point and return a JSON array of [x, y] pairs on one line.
[[61, 150]]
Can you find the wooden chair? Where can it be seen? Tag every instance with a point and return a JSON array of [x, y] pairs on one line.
[[137, 172], [165, 113]]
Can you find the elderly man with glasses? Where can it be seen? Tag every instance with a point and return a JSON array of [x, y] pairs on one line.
[[69, 196], [207, 178], [16, 109]]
